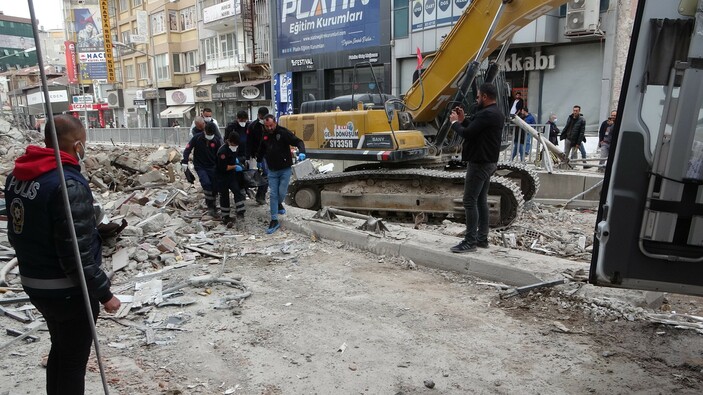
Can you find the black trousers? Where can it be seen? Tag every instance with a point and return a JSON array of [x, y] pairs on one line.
[[71, 339]]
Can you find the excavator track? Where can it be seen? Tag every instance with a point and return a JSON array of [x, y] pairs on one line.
[[526, 178], [402, 192]]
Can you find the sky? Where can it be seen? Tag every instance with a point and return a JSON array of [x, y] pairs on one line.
[[48, 12]]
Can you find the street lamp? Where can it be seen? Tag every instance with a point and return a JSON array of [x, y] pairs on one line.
[[156, 77]]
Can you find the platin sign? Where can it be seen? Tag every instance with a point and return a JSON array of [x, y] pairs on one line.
[[315, 26], [107, 41]]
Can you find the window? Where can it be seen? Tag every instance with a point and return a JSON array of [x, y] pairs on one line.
[[173, 21], [136, 3], [118, 74], [129, 72], [344, 82], [210, 47], [401, 18], [157, 23], [162, 70], [124, 4], [188, 20], [177, 62], [191, 62], [143, 71]]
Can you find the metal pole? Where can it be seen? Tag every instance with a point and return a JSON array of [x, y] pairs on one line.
[[156, 78], [64, 195]]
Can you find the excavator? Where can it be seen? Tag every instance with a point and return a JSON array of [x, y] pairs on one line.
[[406, 147], [649, 229]]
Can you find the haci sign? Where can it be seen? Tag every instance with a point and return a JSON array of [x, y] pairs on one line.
[[529, 63]]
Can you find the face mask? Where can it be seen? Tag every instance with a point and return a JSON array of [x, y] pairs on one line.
[[555, 120], [242, 124], [207, 119], [209, 136], [261, 121], [81, 157], [233, 148]]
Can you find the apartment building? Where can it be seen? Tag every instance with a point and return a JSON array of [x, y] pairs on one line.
[[156, 61], [234, 42]]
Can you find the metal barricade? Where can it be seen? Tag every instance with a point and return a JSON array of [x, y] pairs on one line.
[[526, 152], [140, 136]]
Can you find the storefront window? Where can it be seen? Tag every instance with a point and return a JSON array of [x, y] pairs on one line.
[[344, 82]]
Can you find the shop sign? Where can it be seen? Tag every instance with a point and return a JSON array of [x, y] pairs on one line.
[[371, 57], [90, 107], [179, 97], [251, 93], [82, 99], [203, 94], [54, 97], [227, 8], [149, 94], [225, 91], [529, 63], [302, 64], [139, 103]]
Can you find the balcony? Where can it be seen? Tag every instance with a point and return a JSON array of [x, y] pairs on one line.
[[227, 63], [223, 16]]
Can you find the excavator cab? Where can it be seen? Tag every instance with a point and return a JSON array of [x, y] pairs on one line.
[[649, 231]]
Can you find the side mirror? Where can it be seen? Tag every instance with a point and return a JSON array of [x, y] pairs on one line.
[[390, 110]]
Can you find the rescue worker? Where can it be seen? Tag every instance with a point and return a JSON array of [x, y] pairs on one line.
[[230, 165], [206, 145]]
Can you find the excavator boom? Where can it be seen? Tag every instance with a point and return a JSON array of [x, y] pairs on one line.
[[441, 78]]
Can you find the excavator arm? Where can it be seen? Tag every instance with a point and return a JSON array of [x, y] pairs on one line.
[[463, 44]]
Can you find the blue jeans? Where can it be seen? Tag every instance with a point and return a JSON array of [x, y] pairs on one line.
[[478, 178], [278, 187], [518, 148]]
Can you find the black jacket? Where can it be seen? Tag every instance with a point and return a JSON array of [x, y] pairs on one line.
[[255, 134], [225, 157], [241, 130], [574, 130], [205, 156], [482, 135], [38, 228], [275, 148]]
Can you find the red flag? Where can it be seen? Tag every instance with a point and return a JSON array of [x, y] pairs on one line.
[[419, 59]]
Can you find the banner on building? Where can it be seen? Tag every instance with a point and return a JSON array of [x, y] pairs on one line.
[[90, 42], [71, 66], [107, 41], [312, 26], [283, 93]]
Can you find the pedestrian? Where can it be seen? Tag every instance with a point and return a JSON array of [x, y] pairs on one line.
[[206, 114], [255, 134], [605, 125], [518, 103], [275, 149], [230, 165], [38, 230], [524, 146], [198, 126], [553, 129], [480, 150], [206, 145], [573, 133], [240, 126], [604, 144]]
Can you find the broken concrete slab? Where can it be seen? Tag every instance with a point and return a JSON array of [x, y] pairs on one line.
[[150, 177], [128, 162]]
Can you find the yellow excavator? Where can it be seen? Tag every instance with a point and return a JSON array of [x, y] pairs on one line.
[[406, 146]]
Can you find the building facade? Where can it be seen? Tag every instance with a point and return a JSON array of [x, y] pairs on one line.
[[234, 38], [323, 50], [570, 56]]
